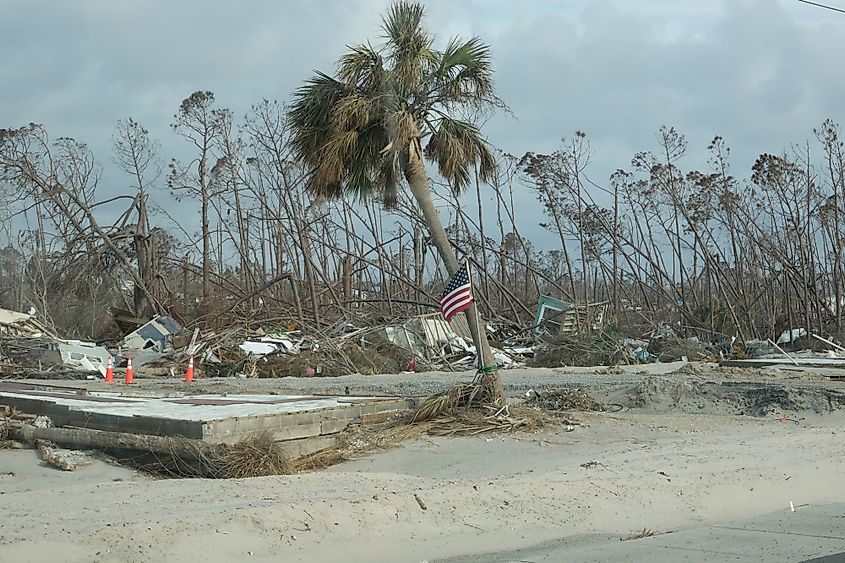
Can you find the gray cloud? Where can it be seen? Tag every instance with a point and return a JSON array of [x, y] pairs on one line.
[[762, 73]]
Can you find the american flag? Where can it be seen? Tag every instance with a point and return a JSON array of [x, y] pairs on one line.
[[457, 296]]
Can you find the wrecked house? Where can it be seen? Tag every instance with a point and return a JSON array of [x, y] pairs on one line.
[[156, 334], [26, 339], [86, 356], [150, 341], [13, 323], [555, 317], [431, 336]]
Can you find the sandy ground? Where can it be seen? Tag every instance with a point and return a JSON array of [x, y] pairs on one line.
[[677, 456]]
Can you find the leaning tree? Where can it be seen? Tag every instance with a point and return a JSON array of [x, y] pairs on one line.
[[387, 110]]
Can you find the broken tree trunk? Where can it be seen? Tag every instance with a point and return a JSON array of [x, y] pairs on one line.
[[84, 438], [161, 454]]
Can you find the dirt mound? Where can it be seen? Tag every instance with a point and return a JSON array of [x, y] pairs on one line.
[[706, 370], [663, 394]]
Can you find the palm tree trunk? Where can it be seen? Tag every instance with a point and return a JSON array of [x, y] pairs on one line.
[[414, 171]]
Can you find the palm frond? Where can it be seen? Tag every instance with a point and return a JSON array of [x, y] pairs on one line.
[[408, 44], [353, 111], [403, 22], [388, 178], [363, 167], [310, 115], [362, 67], [457, 146], [464, 72]]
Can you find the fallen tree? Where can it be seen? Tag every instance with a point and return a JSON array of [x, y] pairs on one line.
[[257, 455]]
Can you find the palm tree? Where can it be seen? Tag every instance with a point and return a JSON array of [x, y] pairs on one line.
[[390, 108]]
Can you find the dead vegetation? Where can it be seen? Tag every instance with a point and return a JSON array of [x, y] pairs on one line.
[[367, 356], [257, 455], [593, 348], [480, 392], [708, 267], [639, 534], [671, 348], [564, 400], [472, 421]]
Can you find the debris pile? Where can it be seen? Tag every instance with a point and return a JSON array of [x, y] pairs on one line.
[[563, 400], [596, 348], [422, 343], [792, 349], [29, 349], [562, 334], [671, 348]]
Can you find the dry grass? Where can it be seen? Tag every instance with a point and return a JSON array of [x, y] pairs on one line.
[[596, 348], [354, 443], [474, 421], [257, 455]]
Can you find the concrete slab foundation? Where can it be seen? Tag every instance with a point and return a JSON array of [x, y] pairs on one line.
[[211, 418]]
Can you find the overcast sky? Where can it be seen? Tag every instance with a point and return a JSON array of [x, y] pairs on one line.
[[761, 73]]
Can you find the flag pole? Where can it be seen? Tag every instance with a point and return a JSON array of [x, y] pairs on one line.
[[479, 355]]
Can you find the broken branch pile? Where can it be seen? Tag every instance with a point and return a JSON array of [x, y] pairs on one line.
[[596, 348], [562, 400]]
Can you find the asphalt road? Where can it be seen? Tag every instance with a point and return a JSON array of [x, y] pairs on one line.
[[810, 533]]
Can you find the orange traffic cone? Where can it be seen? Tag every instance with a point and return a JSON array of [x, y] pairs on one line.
[[129, 379], [189, 375], [109, 371]]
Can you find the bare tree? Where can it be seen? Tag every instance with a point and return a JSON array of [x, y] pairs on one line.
[[201, 124]]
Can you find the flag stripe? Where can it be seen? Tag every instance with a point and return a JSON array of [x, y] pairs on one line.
[[456, 305], [457, 296], [464, 305]]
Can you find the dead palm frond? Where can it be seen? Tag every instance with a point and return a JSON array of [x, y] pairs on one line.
[[479, 392]]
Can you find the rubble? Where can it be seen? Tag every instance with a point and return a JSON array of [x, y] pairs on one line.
[[430, 336], [13, 323], [672, 348], [66, 460], [555, 318], [420, 343], [150, 342], [819, 353], [85, 355]]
